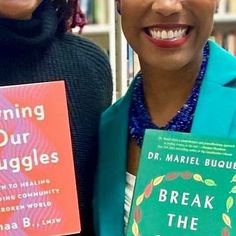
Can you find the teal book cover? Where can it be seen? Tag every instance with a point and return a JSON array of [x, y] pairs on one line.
[[185, 186]]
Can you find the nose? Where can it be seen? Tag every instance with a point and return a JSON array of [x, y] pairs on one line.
[[167, 7]]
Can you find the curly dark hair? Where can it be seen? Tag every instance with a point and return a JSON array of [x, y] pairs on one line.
[[68, 12], [64, 10]]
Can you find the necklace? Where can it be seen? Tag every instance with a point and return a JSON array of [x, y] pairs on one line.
[[140, 119]]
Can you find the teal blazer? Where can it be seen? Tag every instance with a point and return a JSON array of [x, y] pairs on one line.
[[215, 115]]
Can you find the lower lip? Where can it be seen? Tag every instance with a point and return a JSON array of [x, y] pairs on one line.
[[169, 43]]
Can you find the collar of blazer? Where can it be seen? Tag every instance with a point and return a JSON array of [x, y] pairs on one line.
[[214, 116], [217, 100]]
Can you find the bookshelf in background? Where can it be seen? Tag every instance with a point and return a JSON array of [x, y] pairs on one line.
[[100, 29], [225, 25]]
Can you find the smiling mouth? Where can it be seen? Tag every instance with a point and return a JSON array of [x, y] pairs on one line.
[[168, 33]]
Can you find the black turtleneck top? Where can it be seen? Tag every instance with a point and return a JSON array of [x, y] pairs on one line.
[[35, 51]]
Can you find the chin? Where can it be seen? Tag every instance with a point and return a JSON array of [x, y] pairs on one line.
[[18, 9], [17, 16], [169, 63]]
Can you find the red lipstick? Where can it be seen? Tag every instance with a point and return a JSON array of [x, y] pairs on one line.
[[168, 35]]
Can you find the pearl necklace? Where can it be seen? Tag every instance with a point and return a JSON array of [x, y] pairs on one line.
[[140, 119]]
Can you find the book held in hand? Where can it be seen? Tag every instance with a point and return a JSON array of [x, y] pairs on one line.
[[38, 194], [185, 186]]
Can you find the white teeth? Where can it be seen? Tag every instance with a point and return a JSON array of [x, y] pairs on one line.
[[176, 34], [170, 34], [158, 33], [184, 31], [164, 34], [179, 32]]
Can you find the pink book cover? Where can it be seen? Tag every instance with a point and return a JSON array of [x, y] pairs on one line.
[[38, 193]]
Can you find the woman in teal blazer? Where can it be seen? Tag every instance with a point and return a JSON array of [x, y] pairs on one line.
[[180, 68]]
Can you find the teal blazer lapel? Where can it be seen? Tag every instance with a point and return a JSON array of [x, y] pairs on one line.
[[112, 169], [215, 111]]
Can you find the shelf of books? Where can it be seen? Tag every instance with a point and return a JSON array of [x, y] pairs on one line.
[[225, 25], [224, 31], [100, 29]]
